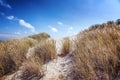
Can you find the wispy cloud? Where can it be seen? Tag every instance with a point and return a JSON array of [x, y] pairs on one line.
[[27, 25], [22, 23], [18, 33], [60, 23], [70, 30], [10, 17], [2, 3], [53, 29]]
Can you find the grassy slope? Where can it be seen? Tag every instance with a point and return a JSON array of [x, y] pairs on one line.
[[97, 52], [12, 52]]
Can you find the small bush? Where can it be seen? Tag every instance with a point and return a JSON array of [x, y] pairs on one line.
[[118, 21], [39, 37]]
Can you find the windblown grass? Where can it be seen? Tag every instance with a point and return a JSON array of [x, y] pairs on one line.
[[12, 54], [41, 54], [31, 71], [44, 52], [97, 53], [66, 46]]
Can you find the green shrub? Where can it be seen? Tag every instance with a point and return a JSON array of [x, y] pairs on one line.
[[39, 37]]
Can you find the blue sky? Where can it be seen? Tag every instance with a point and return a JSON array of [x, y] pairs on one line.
[[59, 18]]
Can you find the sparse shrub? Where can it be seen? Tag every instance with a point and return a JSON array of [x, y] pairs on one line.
[[41, 36], [110, 22], [118, 22], [94, 27]]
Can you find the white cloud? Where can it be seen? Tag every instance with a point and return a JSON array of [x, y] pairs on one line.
[[53, 29], [18, 33], [2, 3], [60, 23], [22, 23], [27, 25], [72, 31], [10, 17]]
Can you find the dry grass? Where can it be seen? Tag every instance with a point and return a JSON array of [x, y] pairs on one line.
[[12, 54], [44, 52], [6, 64], [31, 71], [97, 53], [66, 46]]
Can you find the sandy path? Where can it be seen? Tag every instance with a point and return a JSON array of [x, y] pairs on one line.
[[60, 68]]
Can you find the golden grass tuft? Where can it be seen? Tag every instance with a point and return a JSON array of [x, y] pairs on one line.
[[31, 71], [66, 46], [44, 52]]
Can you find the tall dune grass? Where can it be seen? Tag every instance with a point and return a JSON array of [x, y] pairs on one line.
[[97, 53], [44, 52], [66, 46], [31, 71], [12, 54]]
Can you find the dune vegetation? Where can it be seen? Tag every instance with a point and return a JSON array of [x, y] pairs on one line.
[[13, 53], [96, 53]]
